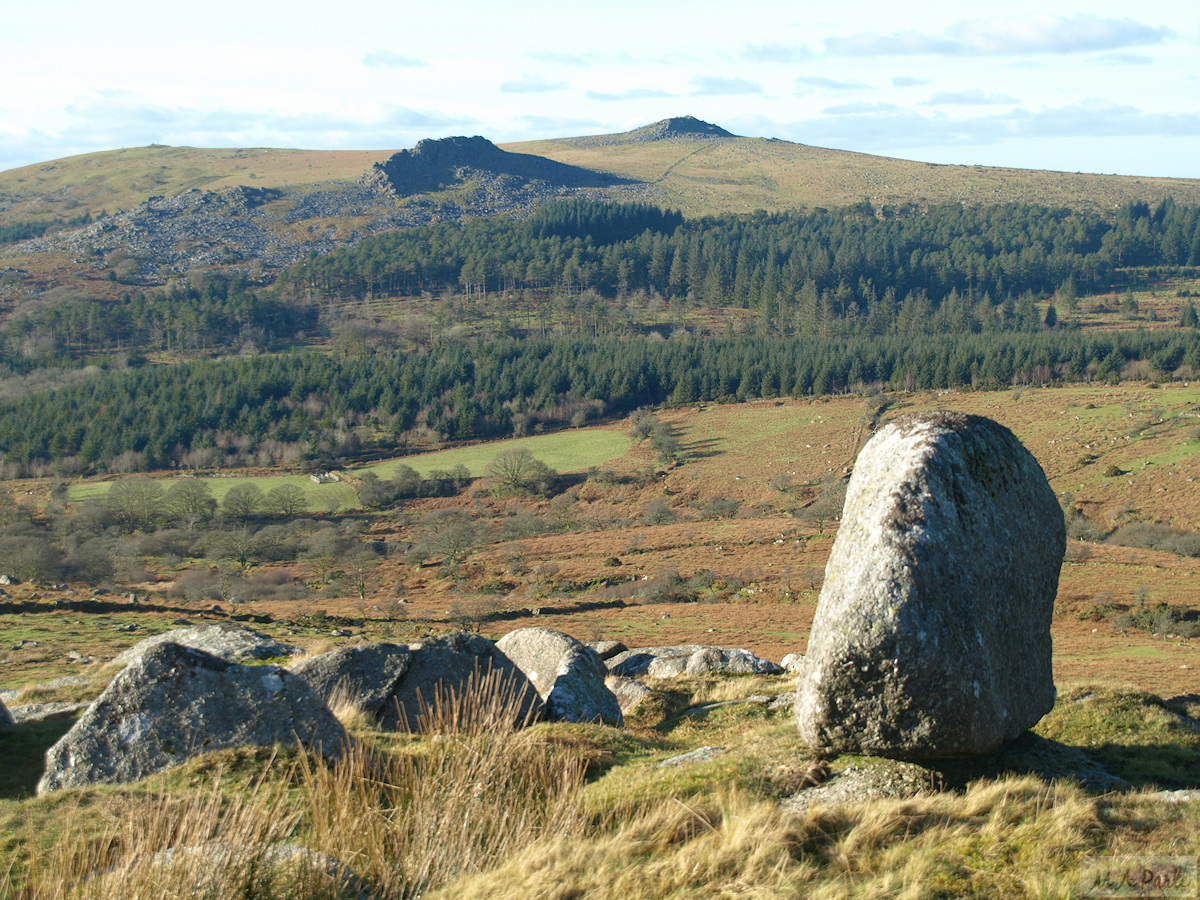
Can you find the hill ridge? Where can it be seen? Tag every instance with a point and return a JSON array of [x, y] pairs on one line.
[[683, 128]]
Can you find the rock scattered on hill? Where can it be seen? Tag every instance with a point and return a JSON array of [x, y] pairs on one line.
[[690, 659], [701, 754], [175, 702], [932, 633], [568, 676], [362, 675], [225, 640], [454, 666]]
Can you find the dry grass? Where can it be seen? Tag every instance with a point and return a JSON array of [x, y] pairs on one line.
[[1015, 837], [723, 689], [471, 792], [466, 795], [135, 846]]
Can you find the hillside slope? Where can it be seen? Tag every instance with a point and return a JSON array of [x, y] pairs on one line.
[[704, 170]]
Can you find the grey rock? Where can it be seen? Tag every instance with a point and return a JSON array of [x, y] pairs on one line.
[[6, 719], [702, 754], [793, 663], [40, 712], [628, 691], [691, 659], [213, 869], [454, 665], [225, 640], [786, 700], [175, 703], [606, 649], [568, 676], [363, 675], [932, 634], [729, 661], [1173, 797], [860, 783], [9, 580]]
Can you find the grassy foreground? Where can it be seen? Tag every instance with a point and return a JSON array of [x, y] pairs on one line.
[[473, 808]]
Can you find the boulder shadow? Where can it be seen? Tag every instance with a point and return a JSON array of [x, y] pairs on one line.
[[23, 754]]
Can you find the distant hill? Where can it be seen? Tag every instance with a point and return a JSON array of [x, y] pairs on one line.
[[703, 169], [172, 209]]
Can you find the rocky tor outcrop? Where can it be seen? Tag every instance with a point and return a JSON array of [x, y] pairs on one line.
[[175, 702], [932, 633]]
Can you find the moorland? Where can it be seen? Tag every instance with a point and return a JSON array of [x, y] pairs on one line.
[[620, 412]]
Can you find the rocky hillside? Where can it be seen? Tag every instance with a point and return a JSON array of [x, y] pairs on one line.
[[162, 212], [261, 229]]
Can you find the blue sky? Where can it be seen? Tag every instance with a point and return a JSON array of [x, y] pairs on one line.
[[1095, 87]]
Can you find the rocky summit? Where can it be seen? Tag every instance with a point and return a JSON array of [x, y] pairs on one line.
[[932, 633]]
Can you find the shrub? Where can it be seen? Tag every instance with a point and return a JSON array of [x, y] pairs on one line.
[[1153, 536]]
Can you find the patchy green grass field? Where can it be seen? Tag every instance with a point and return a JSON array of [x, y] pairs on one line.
[[565, 452]]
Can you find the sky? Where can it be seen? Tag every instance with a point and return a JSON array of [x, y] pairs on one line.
[[1109, 87]]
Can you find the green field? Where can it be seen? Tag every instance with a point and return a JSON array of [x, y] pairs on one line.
[[565, 452]]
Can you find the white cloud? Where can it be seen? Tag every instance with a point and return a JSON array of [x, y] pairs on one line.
[[532, 84], [777, 53], [1125, 59], [387, 59], [1041, 34], [829, 84], [968, 98], [880, 127], [631, 94], [716, 86]]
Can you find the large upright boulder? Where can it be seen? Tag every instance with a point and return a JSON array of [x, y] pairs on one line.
[[932, 634], [568, 676], [451, 668], [362, 676], [175, 703]]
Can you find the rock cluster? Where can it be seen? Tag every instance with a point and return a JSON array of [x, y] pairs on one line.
[[690, 659], [932, 633], [185, 692]]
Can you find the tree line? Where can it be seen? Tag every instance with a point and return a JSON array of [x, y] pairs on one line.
[[825, 263], [324, 409], [219, 314]]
